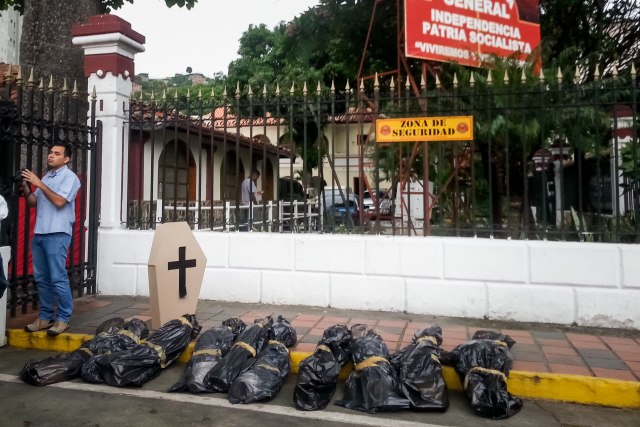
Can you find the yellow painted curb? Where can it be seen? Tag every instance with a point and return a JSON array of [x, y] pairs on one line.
[[532, 385]]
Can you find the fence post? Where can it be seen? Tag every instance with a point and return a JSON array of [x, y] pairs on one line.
[[110, 46]]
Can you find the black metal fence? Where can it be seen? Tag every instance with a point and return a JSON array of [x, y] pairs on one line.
[[35, 115], [552, 158]]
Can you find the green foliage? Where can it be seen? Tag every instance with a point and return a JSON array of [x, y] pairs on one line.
[[107, 5]]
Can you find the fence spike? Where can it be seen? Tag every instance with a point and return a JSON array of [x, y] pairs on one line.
[[153, 96], [164, 94], [141, 93], [506, 78], [175, 95], [213, 93], [293, 88], [333, 86], [407, 83], [596, 74], [277, 89], [489, 79], [264, 90], [541, 77], [559, 75], [455, 80], [238, 90], [438, 84], [304, 88], [224, 93], [423, 81], [41, 85], [74, 92], [65, 87], [633, 71], [392, 85], [376, 83], [472, 80], [250, 91], [347, 87], [199, 93], [50, 87], [31, 78], [614, 72], [188, 93], [319, 89], [93, 93], [523, 76], [361, 85]]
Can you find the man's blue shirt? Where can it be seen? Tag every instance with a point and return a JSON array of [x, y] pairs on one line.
[[49, 218]]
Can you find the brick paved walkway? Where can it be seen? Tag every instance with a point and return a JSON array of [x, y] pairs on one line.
[[605, 353]]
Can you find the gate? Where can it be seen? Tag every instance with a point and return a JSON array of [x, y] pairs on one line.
[[33, 116]]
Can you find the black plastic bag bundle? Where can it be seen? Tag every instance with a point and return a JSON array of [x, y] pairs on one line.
[[144, 362], [420, 372], [67, 366], [373, 385], [211, 346], [264, 379], [241, 356], [318, 373], [483, 365], [113, 340]]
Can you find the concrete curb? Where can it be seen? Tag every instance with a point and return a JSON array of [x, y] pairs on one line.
[[532, 385]]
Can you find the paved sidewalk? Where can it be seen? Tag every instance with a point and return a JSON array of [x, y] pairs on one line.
[[539, 348]]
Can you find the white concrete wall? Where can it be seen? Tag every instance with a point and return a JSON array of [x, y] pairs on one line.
[[530, 281]]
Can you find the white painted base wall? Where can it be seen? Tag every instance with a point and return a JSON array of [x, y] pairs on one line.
[[590, 284]]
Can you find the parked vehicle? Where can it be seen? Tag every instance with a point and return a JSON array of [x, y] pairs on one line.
[[383, 200], [340, 208]]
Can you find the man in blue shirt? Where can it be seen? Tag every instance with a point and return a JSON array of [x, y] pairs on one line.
[[55, 214]]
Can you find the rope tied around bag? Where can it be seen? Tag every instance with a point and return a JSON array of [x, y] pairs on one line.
[[129, 334], [185, 321], [435, 359], [323, 347], [209, 351], [268, 368], [276, 342], [485, 370], [159, 350], [246, 347], [370, 362], [428, 338], [501, 343], [86, 350]]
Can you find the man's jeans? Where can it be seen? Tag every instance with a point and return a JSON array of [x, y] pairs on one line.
[[49, 253]]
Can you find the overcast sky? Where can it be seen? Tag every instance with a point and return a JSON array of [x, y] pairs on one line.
[[204, 38]]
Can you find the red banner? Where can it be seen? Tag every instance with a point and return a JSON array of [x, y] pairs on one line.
[[467, 31]]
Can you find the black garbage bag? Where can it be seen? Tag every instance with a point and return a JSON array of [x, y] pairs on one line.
[[318, 373], [420, 371], [211, 346], [483, 365], [373, 385], [67, 366], [264, 379], [144, 362], [241, 356], [236, 324]]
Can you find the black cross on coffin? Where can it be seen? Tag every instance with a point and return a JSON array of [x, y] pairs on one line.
[[182, 264]]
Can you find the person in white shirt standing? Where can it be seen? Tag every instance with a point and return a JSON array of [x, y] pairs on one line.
[[248, 192]]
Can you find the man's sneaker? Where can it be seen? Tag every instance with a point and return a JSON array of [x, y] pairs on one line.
[[38, 325], [58, 328]]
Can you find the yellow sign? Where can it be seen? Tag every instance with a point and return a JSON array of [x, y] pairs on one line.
[[425, 129]]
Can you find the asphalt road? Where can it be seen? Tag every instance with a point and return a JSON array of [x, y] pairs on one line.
[[76, 403]]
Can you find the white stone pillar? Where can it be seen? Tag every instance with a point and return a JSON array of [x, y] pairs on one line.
[[110, 46]]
